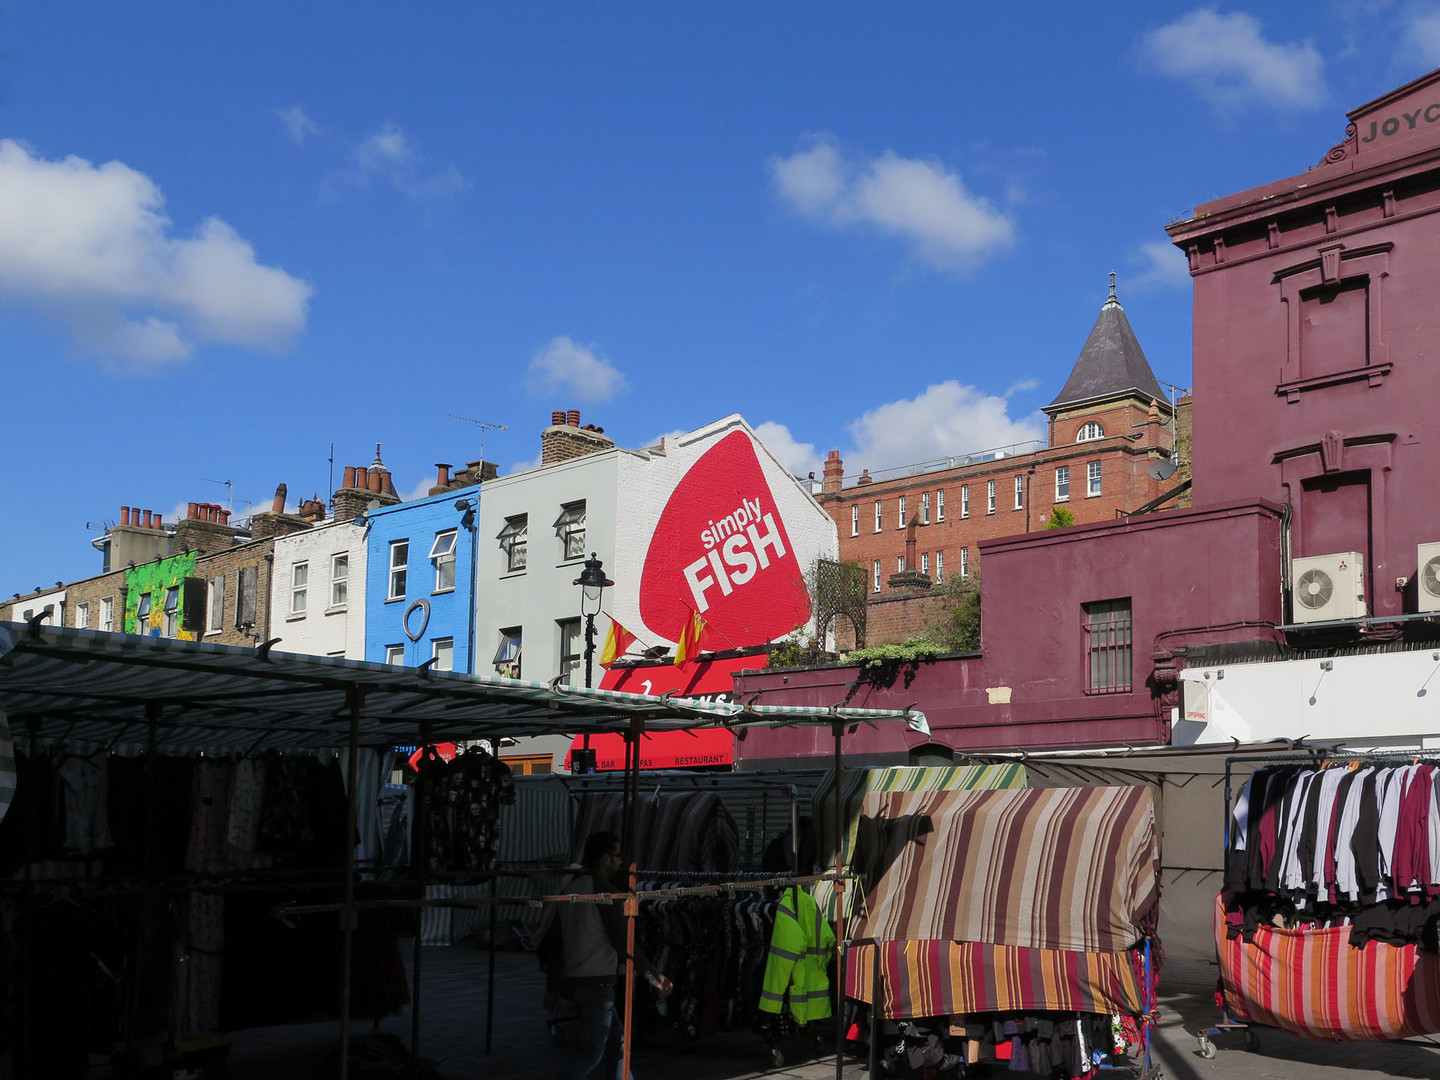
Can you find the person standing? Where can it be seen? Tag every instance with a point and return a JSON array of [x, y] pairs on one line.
[[593, 947]]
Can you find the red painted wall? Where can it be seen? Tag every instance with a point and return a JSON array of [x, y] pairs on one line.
[[1206, 575]]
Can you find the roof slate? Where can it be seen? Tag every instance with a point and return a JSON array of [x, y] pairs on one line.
[[1111, 362]]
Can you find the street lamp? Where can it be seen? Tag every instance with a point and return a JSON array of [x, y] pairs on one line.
[[593, 582]]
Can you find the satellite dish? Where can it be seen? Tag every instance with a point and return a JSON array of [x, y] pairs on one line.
[[1162, 468]]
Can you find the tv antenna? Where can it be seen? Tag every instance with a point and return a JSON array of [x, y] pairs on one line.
[[229, 486], [484, 426]]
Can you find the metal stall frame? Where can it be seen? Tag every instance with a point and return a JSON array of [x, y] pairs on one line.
[[93, 686]]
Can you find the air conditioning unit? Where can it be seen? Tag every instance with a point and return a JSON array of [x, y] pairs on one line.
[[1427, 577], [1328, 587]]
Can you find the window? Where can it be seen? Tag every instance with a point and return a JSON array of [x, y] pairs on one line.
[[215, 604], [925, 508], [300, 587], [964, 562], [170, 626], [1062, 484], [513, 539], [107, 613], [82, 616], [1092, 479], [142, 614], [395, 654], [443, 652], [876, 586], [507, 656], [855, 521], [399, 561], [247, 597], [990, 497], [940, 505], [878, 510], [901, 505], [925, 563], [939, 566], [1107, 647], [569, 651], [339, 579], [964, 500], [442, 555], [570, 528], [1089, 432], [900, 565], [1019, 493]]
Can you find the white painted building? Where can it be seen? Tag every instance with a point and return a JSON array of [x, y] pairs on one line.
[[710, 521], [317, 594]]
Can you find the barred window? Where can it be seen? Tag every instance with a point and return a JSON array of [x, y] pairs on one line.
[[1108, 647]]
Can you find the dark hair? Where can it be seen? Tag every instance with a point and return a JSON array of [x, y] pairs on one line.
[[598, 845]]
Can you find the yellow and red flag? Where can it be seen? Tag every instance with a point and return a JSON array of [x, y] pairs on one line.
[[687, 649], [617, 643]]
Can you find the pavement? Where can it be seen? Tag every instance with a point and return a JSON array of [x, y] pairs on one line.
[[453, 1031]]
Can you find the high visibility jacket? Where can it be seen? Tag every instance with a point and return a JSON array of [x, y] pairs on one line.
[[799, 948]]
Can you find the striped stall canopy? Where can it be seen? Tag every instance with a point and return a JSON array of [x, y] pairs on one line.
[[1315, 983], [1055, 868], [939, 978]]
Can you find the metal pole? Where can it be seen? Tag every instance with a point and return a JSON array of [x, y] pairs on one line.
[[419, 856], [355, 698], [632, 906], [147, 854], [589, 650], [28, 909], [840, 833], [490, 975], [875, 1009]]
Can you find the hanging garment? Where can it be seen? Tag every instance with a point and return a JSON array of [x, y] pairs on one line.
[[799, 946]]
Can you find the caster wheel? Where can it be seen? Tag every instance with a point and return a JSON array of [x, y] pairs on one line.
[[776, 1057], [1252, 1041], [1207, 1048]]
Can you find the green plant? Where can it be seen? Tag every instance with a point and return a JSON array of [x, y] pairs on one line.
[[953, 614], [881, 665], [1060, 517]]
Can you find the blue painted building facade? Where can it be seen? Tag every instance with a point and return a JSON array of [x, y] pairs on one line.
[[419, 598]]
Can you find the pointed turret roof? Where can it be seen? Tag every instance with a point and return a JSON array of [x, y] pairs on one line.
[[1111, 364]]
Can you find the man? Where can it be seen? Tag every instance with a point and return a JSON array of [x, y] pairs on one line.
[[594, 951]]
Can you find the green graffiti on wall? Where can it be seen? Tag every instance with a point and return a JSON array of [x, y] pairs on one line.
[[148, 590]]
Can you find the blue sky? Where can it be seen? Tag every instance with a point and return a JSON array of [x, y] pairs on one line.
[[232, 235]]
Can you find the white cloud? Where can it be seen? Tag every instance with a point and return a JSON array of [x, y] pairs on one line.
[[1228, 62], [92, 248], [297, 124], [658, 439], [420, 490], [1421, 35], [524, 466], [947, 420], [800, 458], [1162, 264], [920, 201], [389, 157], [564, 366]]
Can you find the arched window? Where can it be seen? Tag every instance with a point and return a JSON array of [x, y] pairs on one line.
[[1089, 431]]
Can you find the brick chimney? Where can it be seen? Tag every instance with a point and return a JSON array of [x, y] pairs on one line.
[[275, 522], [313, 509], [910, 577], [565, 439], [140, 537], [204, 530], [363, 485], [834, 469]]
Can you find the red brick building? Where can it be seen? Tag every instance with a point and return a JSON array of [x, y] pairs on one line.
[[1108, 426]]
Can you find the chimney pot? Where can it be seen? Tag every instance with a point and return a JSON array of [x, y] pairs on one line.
[[124, 515], [159, 521], [557, 417], [278, 505], [572, 417], [214, 511], [224, 517], [147, 519], [349, 481], [442, 474], [374, 481]]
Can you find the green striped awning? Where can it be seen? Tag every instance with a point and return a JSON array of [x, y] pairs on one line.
[[93, 686]]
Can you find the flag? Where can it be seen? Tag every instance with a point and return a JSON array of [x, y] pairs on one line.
[[687, 650], [617, 643]]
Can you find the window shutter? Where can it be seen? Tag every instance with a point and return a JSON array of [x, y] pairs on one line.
[[192, 605], [245, 599]]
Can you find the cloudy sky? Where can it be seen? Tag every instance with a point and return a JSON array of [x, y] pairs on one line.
[[232, 236]]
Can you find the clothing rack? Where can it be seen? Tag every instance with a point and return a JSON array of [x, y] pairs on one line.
[[1317, 757]]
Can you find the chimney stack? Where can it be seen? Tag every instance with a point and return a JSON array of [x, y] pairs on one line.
[[277, 506], [204, 530], [565, 439], [363, 485], [442, 479], [834, 471]]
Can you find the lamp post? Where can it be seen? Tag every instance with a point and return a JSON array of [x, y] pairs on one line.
[[593, 583], [467, 520]]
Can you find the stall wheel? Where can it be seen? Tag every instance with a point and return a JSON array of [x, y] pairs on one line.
[[1252, 1041], [776, 1057], [1207, 1048]]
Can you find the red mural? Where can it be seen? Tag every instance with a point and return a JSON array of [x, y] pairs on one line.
[[720, 548]]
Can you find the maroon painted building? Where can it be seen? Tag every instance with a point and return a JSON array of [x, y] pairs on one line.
[[1317, 324]]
